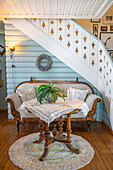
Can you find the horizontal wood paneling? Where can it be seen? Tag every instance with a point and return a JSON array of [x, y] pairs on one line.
[[28, 49], [32, 65], [29, 54], [13, 32], [12, 38], [52, 75], [26, 43], [10, 27], [32, 70], [28, 59], [106, 120], [3, 94]]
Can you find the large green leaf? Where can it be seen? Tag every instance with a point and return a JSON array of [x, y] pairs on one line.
[[42, 86], [48, 95], [54, 97], [40, 98], [40, 90], [61, 96]]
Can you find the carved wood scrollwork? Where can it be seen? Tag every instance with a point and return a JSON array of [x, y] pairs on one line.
[[13, 111], [93, 110]]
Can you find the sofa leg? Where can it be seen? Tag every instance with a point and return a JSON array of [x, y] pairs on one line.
[[88, 122], [83, 123], [18, 123]]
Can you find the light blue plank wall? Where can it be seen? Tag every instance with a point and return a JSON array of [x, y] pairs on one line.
[[24, 61], [3, 68]]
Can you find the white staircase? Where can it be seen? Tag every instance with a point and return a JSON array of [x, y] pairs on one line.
[[77, 48]]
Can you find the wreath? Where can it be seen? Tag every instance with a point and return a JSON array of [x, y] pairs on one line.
[[38, 62]]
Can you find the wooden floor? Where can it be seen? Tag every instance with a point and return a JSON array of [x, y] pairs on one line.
[[99, 137]]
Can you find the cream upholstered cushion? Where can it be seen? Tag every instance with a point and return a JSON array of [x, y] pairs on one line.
[[78, 93], [27, 95], [90, 100], [15, 99]]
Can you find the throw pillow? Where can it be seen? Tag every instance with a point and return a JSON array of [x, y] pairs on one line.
[[27, 95], [78, 93]]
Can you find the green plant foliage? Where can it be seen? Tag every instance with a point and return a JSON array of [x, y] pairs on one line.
[[47, 90]]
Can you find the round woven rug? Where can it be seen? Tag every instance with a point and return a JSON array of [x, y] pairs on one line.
[[24, 154]]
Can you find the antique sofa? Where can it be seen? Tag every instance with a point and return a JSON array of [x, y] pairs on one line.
[[91, 100]]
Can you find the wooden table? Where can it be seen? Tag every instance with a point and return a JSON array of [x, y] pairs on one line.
[[57, 136]]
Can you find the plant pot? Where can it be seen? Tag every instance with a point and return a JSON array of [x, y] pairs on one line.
[[50, 99]]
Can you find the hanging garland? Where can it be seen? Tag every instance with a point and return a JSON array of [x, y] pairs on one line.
[[40, 58]]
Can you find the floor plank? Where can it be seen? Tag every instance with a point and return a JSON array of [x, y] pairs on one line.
[[99, 137]]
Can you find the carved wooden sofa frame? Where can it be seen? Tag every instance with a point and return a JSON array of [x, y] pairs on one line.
[[87, 119]]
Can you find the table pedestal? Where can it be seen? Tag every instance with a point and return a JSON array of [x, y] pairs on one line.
[[57, 136]]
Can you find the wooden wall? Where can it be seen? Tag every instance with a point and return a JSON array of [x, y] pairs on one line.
[[3, 105], [24, 60]]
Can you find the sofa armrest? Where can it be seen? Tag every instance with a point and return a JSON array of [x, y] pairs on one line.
[[15, 103], [91, 101]]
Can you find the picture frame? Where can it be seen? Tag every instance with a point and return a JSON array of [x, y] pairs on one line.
[[108, 19], [95, 27], [110, 51], [95, 33], [107, 39], [95, 20], [111, 27], [104, 28], [111, 54]]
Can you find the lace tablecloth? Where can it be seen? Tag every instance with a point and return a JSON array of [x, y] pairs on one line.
[[49, 112]]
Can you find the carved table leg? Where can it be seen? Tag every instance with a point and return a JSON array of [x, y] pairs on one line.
[[68, 128], [60, 123], [57, 137], [47, 142], [68, 143], [72, 149], [41, 136], [54, 131]]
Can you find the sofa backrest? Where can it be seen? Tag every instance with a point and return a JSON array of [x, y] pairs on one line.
[[64, 85]]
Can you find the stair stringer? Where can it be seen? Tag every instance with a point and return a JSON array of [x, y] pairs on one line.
[[65, 56]]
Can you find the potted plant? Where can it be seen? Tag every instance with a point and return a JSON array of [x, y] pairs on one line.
[[49, 92]]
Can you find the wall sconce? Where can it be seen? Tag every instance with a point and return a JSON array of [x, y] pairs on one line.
[[11, 49]]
